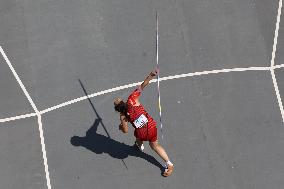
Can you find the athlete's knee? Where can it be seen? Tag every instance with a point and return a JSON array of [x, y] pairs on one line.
[[154, 145]]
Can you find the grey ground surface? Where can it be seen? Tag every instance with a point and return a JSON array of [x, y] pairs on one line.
[[280, 49], [222, 131], [21, 162], [13, 101]]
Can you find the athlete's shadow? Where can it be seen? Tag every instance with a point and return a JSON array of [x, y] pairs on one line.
[[99, 144]]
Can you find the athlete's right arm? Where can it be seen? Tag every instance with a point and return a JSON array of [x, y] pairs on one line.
[[148, 79], [123, 126]]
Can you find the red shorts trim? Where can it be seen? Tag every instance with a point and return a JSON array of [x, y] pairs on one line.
[[144, 135]]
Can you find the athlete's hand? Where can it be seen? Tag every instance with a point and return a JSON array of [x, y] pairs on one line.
[[153, 73], [123, 129], [149, 78]]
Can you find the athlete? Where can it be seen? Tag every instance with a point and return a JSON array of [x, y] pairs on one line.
[[145, 126]]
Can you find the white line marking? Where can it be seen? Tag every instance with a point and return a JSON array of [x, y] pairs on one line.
[[89, 96], [277, 94], [214, 72], [17, 117], [272, 67], [153, 81], [18, 80], [278, 66], [138, 83], [276, 34], [36, 111], [44, 152]]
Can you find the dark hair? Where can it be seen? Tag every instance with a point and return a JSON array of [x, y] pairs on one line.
[[121, 107]]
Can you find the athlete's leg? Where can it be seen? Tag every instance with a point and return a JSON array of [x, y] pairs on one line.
[[162, 153], [159, 150]]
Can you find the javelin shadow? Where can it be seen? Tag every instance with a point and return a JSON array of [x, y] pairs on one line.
[[99, 144]]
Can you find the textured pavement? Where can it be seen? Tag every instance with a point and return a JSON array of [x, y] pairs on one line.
[[221, 130]]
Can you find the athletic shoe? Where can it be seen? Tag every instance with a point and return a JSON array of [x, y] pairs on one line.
[[141, 148]]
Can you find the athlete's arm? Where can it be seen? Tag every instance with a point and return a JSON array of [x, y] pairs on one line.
[[134, 96], [148, 79], [123, 126]]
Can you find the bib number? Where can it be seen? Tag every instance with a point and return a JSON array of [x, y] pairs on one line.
[[140, 121]]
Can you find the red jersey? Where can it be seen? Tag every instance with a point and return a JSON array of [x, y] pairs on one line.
[[148, 131]]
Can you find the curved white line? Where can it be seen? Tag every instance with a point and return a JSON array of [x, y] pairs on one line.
[[138, 83], [89, 96], [214, 72], [153, 81]]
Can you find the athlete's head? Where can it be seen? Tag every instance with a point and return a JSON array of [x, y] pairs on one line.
[[120, 105]]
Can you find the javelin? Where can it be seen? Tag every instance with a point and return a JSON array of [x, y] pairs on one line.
[[158, 73]]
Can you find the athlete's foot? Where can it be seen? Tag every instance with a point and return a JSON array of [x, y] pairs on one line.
[[168, 171], [140, 147]]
